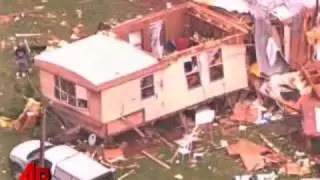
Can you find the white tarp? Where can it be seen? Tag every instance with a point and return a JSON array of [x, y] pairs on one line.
[[204, 116]]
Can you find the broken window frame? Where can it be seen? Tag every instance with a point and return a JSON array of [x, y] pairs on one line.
[[215, 65], [194, 74], [139, 44], [147, 87], [65, 91]]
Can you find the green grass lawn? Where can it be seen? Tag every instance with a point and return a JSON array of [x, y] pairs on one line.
[[215, 166]]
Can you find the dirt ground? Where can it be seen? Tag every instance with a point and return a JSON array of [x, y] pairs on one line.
[[216, 166]]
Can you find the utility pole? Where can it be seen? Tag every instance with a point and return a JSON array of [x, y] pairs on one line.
[[315, 15], [43, 136]]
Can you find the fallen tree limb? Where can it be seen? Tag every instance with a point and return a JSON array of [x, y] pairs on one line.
[[156, 160]]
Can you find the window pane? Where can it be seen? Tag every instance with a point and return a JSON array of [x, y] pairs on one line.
[[214, 57], [147, 92], [47, 164], [147, 81], [82, 103], [64, 85], [61, 174], [71, 89], [107, 176], [57, 93], [63, 96], [194, 60], [216, 72], [191, 66], [57, 81], [193, 80], [72, 100], [188, 67]]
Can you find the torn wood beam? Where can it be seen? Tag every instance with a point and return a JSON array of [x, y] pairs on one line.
[[125, 120], [126, 174], [156, 160], [176, 153], [184, 122], [209, 21], [201, 47], [25, 35], [166, 142], [19, 13], [270, 144], [238, 25], [68, 133]]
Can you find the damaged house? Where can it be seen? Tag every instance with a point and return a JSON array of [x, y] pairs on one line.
[[286, 43], [156, 66]]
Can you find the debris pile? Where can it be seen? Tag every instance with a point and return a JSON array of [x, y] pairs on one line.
[[29, 117]]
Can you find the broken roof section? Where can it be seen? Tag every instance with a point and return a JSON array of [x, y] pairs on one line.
[[99, 58], [180, 21], [282, 9]]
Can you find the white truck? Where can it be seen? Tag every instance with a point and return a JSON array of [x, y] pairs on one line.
[[64, 162]]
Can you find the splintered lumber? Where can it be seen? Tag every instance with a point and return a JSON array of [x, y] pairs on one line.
[[21, 12], [68, 135], [176, 153], [100, 158], [158, 161], [28, 35], [126, 174], [124, 120], [166, 142], [184, 122], [269, 144]]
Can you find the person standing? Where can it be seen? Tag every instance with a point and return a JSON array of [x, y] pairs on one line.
[[21, 54]]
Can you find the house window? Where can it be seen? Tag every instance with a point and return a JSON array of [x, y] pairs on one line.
[[192, 72], [135, 39], [70, 93], [147, 87], [215, 65]]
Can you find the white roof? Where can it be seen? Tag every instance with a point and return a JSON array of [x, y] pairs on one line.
[[242, 6], [237, 5], [24, 149], [83, 167], [59, 153], [99, 58]]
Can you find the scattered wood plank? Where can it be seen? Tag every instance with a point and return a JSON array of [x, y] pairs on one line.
[[67, 135], [270, 144], [126, 174], [107, 164], [184, 122], [19, 13], [176, 153], [94, 154], [124, 120], [166, 142], [25, 35], [158, 161]]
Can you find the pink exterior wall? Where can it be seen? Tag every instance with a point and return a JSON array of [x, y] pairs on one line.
[[117, 126], [47, 88], [47, 84], [174, 94]]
